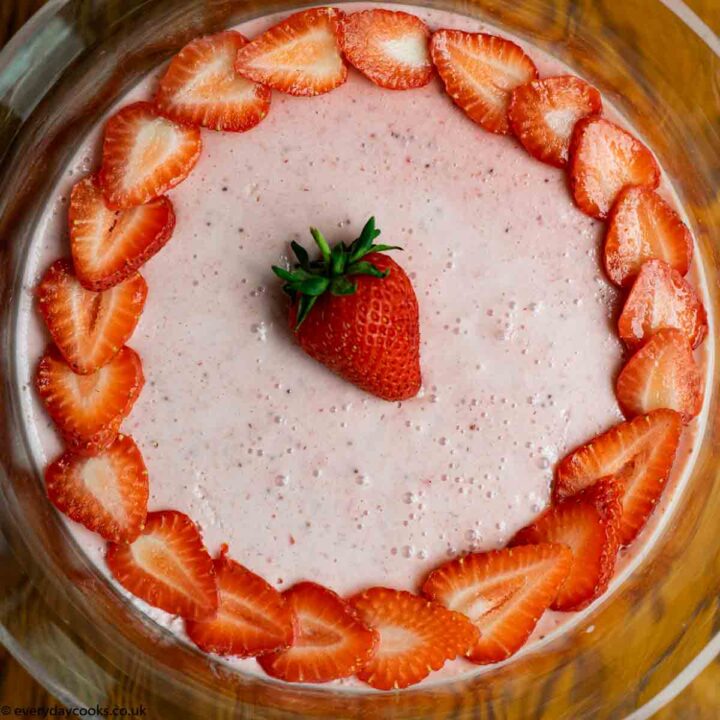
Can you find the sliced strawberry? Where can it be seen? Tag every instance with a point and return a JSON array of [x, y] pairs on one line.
[[503, 592], [89, 328], [416, 637], [642, 226], [661, 298], [604, 159], [390, 48], [637, 451], [298, 56], [589, 524], [144, 155], [480, 72], [107, 493], [88, 409], [662, 374], [331, 641], [201, 87], [167, 566], [110, 245], [639, 454], [543, 113], [253, 618]]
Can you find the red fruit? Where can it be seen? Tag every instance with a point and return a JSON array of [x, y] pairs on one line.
[[89, 328], [637, 451], [543, 113], [331, 641], [144, 155], [107, 245], [88, 409], [202, 88], [588, 523], [480, 72], [503, 592], [605, 159], [167, 566], [298, 56], [107, 493], [390, 48], [639, 454], [662, 374], [416, 637], [354, 310], [661, 298], [642, 226], [252, 617], [370, 338]]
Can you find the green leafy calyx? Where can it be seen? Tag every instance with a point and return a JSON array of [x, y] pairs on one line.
[[333, 272]]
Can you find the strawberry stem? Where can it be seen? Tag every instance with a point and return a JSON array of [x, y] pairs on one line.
[[312, 278], [321, 243]]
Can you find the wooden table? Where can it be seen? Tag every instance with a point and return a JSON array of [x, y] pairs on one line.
[[699, 701]]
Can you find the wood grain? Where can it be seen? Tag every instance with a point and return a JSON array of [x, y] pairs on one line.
[[708, 11], [17, 688], [699, 701]]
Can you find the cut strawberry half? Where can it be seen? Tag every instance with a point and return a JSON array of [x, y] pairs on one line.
[[89, 328], [416, 637], [390, 48], [661, 298], [543, 113], [88, 409], [110, 245], [201, 87], [642, 226], [298, 56], [331, 641], [604, 159], [145, 155], [252, 617], [639, 454], [480, 72], [662, 374], [503, 592], [107, 493], [167, 566], [589, 524]]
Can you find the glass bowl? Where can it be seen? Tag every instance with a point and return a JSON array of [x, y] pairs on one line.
[[89, 646]]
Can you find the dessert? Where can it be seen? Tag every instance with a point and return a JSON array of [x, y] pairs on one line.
[[362, 499]]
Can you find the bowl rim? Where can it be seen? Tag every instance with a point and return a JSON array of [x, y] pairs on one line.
[[9, 55]]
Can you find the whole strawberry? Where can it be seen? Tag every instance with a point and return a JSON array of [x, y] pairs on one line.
[[355, 311]]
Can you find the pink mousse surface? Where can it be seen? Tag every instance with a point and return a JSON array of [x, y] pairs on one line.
[[303, 475]]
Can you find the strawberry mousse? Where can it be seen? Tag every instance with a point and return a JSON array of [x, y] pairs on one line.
[[472, 406]]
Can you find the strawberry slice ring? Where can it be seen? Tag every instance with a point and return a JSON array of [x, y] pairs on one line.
[[332, 640], [168, 566], [144, 156], [108, 245], [503, 592], [201, 87], [389, 48], [353, 308], [298, 56]]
